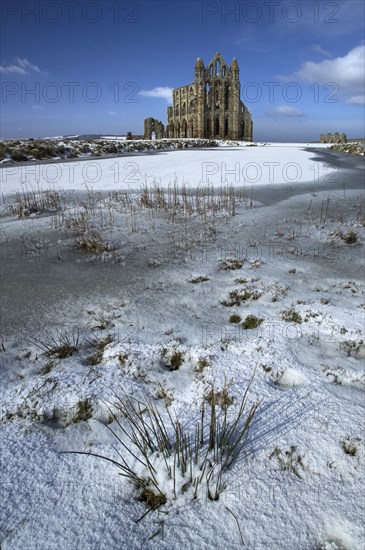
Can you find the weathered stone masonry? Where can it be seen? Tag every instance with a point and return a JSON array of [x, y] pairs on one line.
[[333, 138], [208, 108]]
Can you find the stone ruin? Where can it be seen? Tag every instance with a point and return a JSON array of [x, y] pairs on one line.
[[333, 138], [153, 129], [208, 108]]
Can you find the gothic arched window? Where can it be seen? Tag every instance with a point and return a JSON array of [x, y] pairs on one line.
[[226, 97], [226, 127], [207, 94], [216, 126], [217, 95]]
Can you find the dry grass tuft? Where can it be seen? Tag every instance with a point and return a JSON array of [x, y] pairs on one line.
[[92, 243], [97, 357], [161, 449], [252, 322], [231, 264], [291, 316], [60, 346]]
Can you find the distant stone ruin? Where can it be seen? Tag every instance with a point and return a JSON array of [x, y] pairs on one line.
[[209, 108], [153, 129], [333, 138]]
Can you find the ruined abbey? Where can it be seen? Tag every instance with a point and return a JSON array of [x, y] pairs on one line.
[[208, 108], [333, 138]]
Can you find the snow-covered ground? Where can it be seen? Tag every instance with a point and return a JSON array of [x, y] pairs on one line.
[[140, 270], [238, 166]]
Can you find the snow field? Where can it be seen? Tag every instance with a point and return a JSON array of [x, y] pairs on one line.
[[160, 282]]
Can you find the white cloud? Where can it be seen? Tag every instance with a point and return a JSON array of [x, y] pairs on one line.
[[112, 113], [163, 92], [22, 66], [25, 64], [286, 111], [318, 48], [347, 71], [12, 69], [356, 100], [38, 108]]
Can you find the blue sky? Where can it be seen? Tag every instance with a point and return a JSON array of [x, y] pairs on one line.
[[103, 66]]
